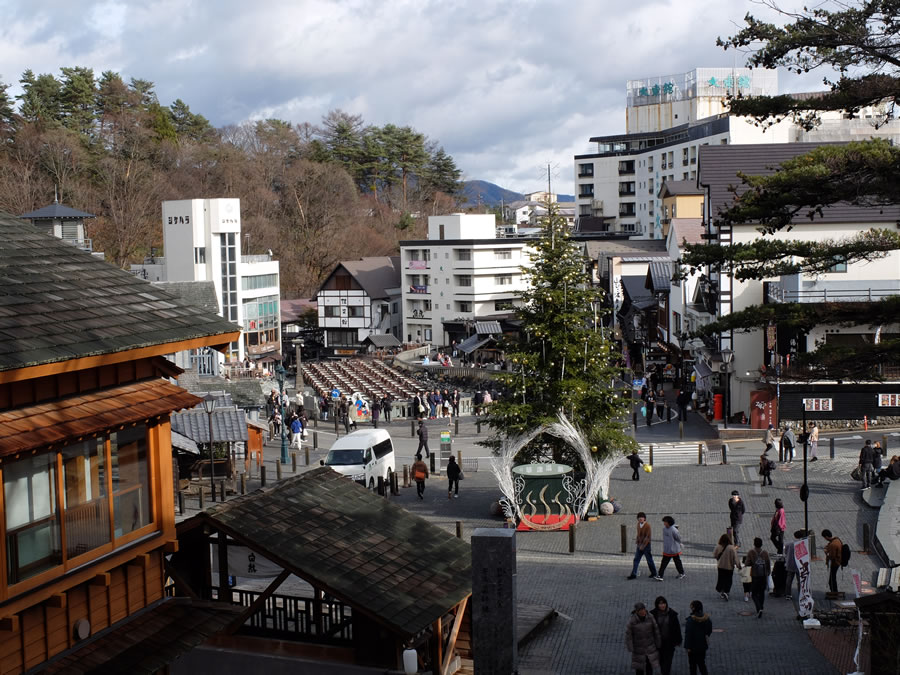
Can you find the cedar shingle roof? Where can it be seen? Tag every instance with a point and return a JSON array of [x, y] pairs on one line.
[[719, 165], [146, 642], [397, 568], [201, 294], [60, 420], [59, 303], [659, 276]]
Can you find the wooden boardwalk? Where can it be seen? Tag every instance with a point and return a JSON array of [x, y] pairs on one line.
[[530, 619]]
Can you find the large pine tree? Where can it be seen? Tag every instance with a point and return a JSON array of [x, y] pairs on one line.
[[564, 361]]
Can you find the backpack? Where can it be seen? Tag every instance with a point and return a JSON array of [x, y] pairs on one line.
[[759, 566], [845, 555], [771, 465]]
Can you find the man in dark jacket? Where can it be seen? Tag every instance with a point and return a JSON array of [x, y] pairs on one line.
[[635, 461], [669, 633], [736, 513], [423, 439], [697, 629], [866, 462]]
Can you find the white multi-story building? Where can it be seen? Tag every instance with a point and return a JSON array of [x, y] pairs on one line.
[[668, 119], [461, 273], [202, 240]]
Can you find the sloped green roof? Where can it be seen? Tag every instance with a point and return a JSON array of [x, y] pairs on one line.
[[396, 567], [59, 303]]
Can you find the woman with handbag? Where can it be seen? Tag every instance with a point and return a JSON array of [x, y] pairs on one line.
[[727, 556]]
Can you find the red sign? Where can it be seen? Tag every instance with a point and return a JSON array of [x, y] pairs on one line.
[[763, 409]]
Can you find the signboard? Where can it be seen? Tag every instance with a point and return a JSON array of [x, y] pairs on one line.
[[445, 437], [418, 264], [335, 393], [817, 404], [801, 555], [889, 400], [258, 350]]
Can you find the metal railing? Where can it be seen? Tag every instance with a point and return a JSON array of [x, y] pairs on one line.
[[258, 258], [777, 293]]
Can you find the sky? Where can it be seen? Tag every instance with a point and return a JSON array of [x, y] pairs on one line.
[[506, 87]]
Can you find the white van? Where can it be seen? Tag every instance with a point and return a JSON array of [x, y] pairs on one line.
[[364, 456]]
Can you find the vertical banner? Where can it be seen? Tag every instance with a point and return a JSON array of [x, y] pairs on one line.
[[801, 555]]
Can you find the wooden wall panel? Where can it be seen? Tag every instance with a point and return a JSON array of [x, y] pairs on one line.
[[134, 578], [99, 614], [117, 592], [33, 636], [155, 578], [57, 631]]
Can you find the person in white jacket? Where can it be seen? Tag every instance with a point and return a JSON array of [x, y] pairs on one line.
[[671, 548]]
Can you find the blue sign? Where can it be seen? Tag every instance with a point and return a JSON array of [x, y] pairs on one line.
[[335, 393]]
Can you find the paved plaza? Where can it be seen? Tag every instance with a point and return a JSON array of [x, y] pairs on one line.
[[589, 589]]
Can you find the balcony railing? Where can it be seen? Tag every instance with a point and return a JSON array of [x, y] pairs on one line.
[[627, 191], [259, 258], [417, 265], [586, 174], [777, 293]]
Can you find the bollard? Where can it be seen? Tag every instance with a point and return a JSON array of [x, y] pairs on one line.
[[315, 421], [222, 490], [381, 491], [395, 484], [812, 545], [412, 428], [456, 427], [651, 454], [624, 539], [336, 432], [200, 498], [459, 529], [181, 502], [478, 427], [459, 458], [700, 453], [634, 420], [431, 461], [831, 447], [572, 538], [681, 430], [315, 440], [884, 445], [668, 414], [262, 475], [243, 483], [294, 461], [406, 475], [867, 537], [724, 453], [306, 454], [278, 469]]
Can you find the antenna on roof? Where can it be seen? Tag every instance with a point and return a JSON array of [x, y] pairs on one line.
[[56, 194]]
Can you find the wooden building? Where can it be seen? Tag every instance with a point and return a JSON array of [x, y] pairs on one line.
[[85, 460]]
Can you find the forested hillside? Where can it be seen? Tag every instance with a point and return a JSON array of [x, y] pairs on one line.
[[312, 193]]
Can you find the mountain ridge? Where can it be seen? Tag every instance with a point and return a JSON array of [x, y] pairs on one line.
[[490, 194]]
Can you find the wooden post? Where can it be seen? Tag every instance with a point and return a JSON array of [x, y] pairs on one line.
[[624, 539], [406, 475], [412, 428], [700, 453], [395, 484], [200, 498], [294, 461], [681, 430], [278, 469], [243, 483], [459, 458], [431, 460], [831, 446], [262, 475], [306, 451], [459, 529], [336, 432], [456, 427], [222, 489], [224, 588], [572, 538], [381, 491], [315, 440], [651, 454], [181, 502], [478, 427]]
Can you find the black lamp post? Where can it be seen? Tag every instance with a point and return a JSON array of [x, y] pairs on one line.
[[209, 405], [280, 373], [727, 356], [682, 338], [804, 489]]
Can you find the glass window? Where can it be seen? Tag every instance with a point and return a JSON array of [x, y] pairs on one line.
[[332, 311], [503, 254], [840, 265], [463, 254], [463, 280], [504, 305], [131, 479], [503, 279], [200, 255], [86, 503], [356, 311]]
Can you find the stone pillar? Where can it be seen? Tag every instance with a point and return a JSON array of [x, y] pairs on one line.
[[494, 645]]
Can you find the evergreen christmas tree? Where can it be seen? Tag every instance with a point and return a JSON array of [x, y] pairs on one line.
[[564, 361]]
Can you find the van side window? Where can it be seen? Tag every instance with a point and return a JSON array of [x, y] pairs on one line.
[[383, 448], [368, 456]]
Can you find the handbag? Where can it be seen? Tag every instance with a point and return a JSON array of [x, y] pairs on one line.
[[855, 474], [462, 476], [746, 574]]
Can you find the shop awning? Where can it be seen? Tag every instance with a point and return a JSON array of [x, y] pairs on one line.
[[702, 369]]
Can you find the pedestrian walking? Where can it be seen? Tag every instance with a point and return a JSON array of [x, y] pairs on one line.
[[453, 474], [766, 467], [344, 414], [697, 629], [746, 582], [866, 462], [296, 430], [386, 407], [423, 439], [833, 553], [650, 404], [419, 473], [813, 439], [790, 565], [760, 568], [454, 401], [671, 548], [769, 440], [669, 633], [661, 404], [635, 461], [642, 548], [376, 410], [683, 400], [642, 639], [788, 441], [777, 527], [726, 556], [736, 512]]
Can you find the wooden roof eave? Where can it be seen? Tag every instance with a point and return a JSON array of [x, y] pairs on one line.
[[204, 518], [218, 342]]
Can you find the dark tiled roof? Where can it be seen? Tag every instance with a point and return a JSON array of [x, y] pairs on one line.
[[57, 211], [386, 340], [677, 188], [720, 164], [488, 328], [375, 275], [58, 303], [659, 276], [146, 642], [200, 294], [244, 393], [23, 429], [619, 247], [473, 342], [229, 424], [397, 568], [636, 292], [184, 443]]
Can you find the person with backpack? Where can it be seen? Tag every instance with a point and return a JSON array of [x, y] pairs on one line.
[[760, 568], [777, 527], [671, 548], [635, 461], [697, 629], [726, 556], [788, 441], [766, 467], [669, 633], [419, 471], [834, 558]]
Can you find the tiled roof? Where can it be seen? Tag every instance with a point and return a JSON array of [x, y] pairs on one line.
[[393, 566], [719, 165], [687, 229], [660, 276], [229, 424], [184, 443], [636, 292], [146, 642], [619, 247], [244, 393], [385, 340], [488, 328], [63, 419], [59, 303], [374, 274], [201, 294], [677, 188], [57, 211]]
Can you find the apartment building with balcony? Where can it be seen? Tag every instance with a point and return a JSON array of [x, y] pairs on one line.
[[761, 353], [202, 242], [668, 120], [462, 272], [358, 299]]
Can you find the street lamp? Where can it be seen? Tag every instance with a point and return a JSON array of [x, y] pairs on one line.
[[209, 405], [804, 489], [279, 374], [727, 356]]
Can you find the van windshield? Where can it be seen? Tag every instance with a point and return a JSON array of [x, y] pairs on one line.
[[344, 457]]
